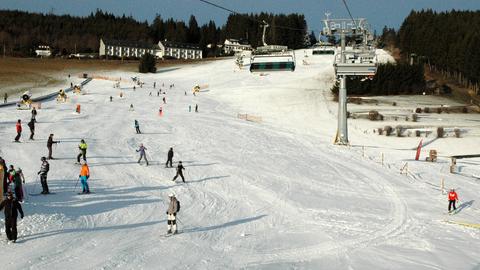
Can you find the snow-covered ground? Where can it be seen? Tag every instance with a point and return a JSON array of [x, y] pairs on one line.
[[273, 193]]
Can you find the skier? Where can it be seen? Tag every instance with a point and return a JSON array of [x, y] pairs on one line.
[[31, 125], [196, 107], [131, 107], [179, 172], [5, 98], [43, 175], [185, 93], [111, 98], [164, 100], [150, 94], [452, 198], [173, 209], [154, 84], [84, 175], [137, 127], [189, 108], [50, 142], [19, 130], [12, 174], [34, 115], [169, 158], [2, 173], [83, 151], [158, 93], [18, 181], [160, 111], [142, 153], [134, 88], [12, 207]]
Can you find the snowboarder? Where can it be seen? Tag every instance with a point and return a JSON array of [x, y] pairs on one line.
[[19, 130], [196, 107], [12, 207], [142, 153], [84, 175], [452, 198], [137, 127], [31, 125], [43, 175], [34, 115], [180, 169], [169, 158], [173, 209], [50, 142], [83, 151], [18, 181]]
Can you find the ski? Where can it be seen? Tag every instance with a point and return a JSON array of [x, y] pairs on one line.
[[38, 194]]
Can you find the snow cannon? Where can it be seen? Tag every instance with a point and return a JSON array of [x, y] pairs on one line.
[[25, 101], [62, 97]]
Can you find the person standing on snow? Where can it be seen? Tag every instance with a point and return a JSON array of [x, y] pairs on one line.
[[142, 153], [169, 158], [18, 182], [31, 125], [173, 209], [34, 115], [3, 175], [452, 198], [83, 151], [137, 127], [43, 175], [84, 175], [180, 169], [12, 207], [19, 130], [50, 143], [12, 174]]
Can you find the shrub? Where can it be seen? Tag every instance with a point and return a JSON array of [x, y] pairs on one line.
[[439, 110], [426, 110], [417, 133], [414, 117], [418, 110], [399, 130], [394, 103], [464, 110], [373, 115], [380, 131], [440, 132], [381, 117], [388, 130], [457, 132]]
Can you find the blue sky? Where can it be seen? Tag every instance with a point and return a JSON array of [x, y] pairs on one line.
[[378, 12]]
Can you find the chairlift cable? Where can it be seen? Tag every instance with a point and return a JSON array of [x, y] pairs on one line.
[[349, 13]]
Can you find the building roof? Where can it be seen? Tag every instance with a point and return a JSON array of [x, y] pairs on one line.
[[126, 43], [172, 44]]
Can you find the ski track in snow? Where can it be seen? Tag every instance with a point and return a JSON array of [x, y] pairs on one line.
[[269, 195]]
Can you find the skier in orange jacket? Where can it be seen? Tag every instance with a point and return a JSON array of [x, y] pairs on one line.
[[84, 175]]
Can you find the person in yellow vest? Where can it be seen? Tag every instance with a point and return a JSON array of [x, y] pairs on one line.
[[83, 151]]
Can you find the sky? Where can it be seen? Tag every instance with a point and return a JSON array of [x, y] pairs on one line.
[[378, 12]]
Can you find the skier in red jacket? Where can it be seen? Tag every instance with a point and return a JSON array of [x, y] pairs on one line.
[[452, 198], [19, 130]]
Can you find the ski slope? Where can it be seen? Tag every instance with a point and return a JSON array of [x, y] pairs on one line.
[[273, 193]]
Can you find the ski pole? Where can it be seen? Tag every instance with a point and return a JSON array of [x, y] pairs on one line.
[[78, 179]]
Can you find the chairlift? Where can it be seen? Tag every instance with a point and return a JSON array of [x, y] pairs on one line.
[[357, 63], [323, 49], [272, 57]]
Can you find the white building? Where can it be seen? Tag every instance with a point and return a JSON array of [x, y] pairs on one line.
[[130, 49], [235, 46], [43, 51], [120, 48], [180, 50]]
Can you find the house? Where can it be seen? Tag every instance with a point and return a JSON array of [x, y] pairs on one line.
[[43, 51], [180, 50], [234, 45], [136, 49], [128, 49]]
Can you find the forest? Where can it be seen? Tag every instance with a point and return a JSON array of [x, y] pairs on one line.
[[21, 32]]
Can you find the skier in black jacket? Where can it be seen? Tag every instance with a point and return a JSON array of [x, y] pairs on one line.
[[43, 175], [180, 169], [50, 142], [31, 125], [12, 207], [169, 158]]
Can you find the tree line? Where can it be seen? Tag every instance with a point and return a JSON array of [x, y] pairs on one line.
[[21, 32], [448, 42]]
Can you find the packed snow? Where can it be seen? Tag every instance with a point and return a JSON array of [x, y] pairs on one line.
[[265, 186]]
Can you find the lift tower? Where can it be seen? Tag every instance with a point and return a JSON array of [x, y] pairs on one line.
[[358, 61]]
